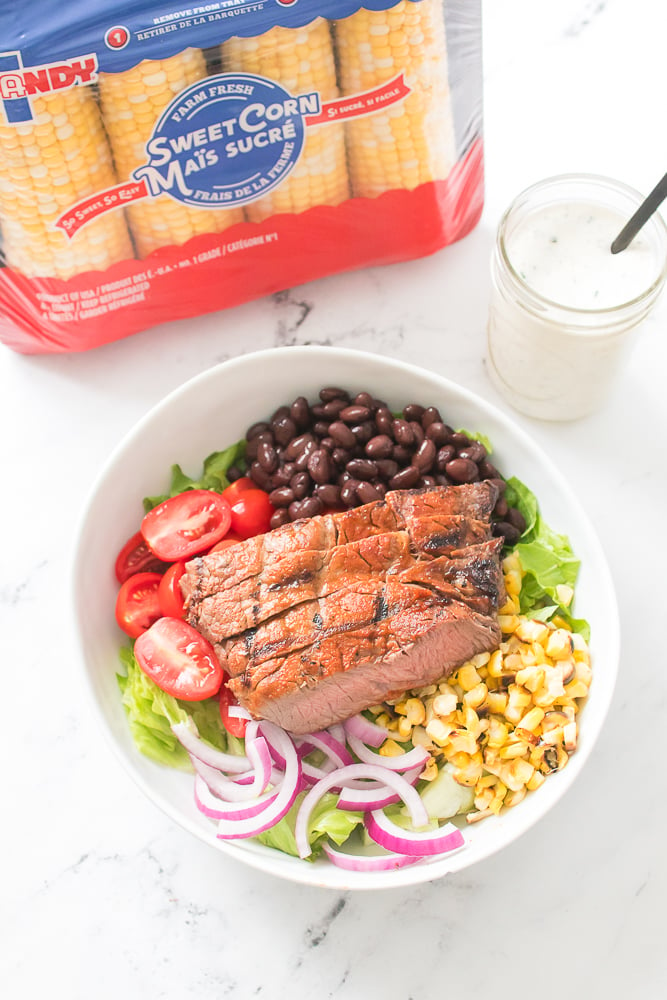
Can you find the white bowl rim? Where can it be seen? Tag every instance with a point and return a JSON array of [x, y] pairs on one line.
[[264, 860]]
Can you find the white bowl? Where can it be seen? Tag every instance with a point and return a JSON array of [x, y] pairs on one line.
[[213, 410]]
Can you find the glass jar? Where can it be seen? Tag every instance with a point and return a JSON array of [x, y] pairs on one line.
[[564, 310]]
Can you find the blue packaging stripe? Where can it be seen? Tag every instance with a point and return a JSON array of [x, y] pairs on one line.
[[123, 34]]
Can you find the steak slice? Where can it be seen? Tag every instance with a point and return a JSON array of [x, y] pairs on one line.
[[330, 681], [469, 505], [473, 579]]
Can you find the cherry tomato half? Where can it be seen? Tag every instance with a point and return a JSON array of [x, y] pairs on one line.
[[251, 513], [187, 524], [237, 487], [234, 726], [137, 605], [179, 660], [169, 592], [229, 539], [136, 557]]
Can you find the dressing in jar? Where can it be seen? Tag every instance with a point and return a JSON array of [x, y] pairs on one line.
[[564, 310]]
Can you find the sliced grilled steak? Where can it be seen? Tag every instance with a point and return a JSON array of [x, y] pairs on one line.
[[472, 579], [329, 682], [469, 505]]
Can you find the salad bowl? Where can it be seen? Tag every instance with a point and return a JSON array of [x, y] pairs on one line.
[[212, 411]]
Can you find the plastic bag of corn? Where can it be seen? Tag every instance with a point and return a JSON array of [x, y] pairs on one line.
[[253, 144]]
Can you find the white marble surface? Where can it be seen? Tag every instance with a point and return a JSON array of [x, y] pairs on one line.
[[101, 895]]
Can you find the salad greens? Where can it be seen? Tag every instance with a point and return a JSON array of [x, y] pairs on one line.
[[548, 563]]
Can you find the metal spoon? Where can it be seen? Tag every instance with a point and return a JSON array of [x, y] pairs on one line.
[[642, 215]]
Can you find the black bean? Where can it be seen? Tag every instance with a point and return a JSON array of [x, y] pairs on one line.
[[279, 517], [507, 531], [364, 399], [234, 473], [329, 494], [460, 440], [475, 451], [430, 416], [403, 433], [319, 466], [516, 518], [441, 480], [267, 457], [487, 470], [311, 506], [427, 481], [301, 485], [362, 468], [379, 404], [261, 477], [384, 421], [348, 492], [380, 486], [284, 473], [343, 478], [366, 492], [500, 485], [333, 408], [354, 414], [387, 467], [317, 411], [328, 443], [284, 430], [301, 462], [424, 457], [254, 443], [418, 431], [296, 446], [256, 429], [438, 433], [401, 455], [294, 510], [333, 392], [282, 411], [282, 497], [405, 478], [300, 413], [341, 432], [380, 446], [321, 428], [413, 411], [363, 432], [461, 470], [445, 455], [341, 457], [501, 508]]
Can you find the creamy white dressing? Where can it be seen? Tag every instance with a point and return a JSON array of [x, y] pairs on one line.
[[563, 252], [558, 335]]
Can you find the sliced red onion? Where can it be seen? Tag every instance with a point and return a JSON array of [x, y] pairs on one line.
[[368, 862], [394, 838], [373, 771], [337, 730], [368, 732], [418, 755], [188, 737], [232, 829], [232, 791], [373, 796], [312, 773], [336, 751], [215, 808]]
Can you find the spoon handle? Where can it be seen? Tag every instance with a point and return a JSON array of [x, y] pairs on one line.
[[642, 215]]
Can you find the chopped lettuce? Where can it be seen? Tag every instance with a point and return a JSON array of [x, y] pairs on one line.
[[326, 821], [151, 713], [476, 436], [547, 560], [213, 477]]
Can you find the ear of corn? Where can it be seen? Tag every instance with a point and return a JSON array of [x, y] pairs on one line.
[[132, 102], [46, 166], [412, 141], [301, 60]]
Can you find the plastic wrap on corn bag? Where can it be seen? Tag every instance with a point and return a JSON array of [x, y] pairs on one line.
[[158, 162]]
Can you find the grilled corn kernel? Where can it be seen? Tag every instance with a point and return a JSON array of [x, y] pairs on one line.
[[532, 719], [445, 704], [497, 702], [439, 731], [476, 696], [529, 630], [390, 748], [559, 644], [508, 623], [403, 727], [415, 712]]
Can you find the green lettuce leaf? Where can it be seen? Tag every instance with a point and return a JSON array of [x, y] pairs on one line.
[[326, 821], [151, 713], [213, 477]]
